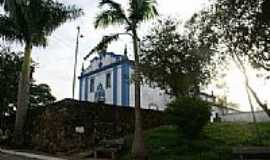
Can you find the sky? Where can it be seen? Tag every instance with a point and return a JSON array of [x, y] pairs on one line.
[[56, 61]]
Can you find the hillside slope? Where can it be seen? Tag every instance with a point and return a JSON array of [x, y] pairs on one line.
[[215, 144]]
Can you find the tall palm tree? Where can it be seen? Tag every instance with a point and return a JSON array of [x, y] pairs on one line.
[[30, 22], [138, 11]]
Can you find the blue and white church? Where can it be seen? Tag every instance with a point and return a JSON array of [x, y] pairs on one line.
[[108, 79]]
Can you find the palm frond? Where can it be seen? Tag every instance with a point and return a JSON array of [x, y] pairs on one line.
[[45, 16], [109, 17], [114, 15], [142, 10], [9, 30], [114, 5], [111, 4], [103, 44], [37, 20], [265, 10], [39, 40]]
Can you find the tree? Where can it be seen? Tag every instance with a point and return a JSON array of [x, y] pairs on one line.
[[9, 72], [241, 24], [175, 62], [179, 112], [10, 66], [40, 96], [237, 29], [30, 22], [266, 11], [138, 11]]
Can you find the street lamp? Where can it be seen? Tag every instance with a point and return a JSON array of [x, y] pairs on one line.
[[79, 35]]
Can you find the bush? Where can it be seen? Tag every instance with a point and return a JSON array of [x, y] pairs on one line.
[[190, 115]]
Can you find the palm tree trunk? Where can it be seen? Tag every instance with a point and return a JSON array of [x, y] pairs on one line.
[[23, 97], [138, 147]]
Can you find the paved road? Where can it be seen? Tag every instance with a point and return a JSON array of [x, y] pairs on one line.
[[12, 157]]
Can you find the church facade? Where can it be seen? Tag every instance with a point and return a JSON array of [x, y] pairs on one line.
[[108, 79]]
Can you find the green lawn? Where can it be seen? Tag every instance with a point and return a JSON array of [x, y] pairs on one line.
[[215, 144]]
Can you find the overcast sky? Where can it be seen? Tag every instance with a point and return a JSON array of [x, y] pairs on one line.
[[56, 61]]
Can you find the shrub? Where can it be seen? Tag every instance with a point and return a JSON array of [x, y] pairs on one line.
[[190, 115]]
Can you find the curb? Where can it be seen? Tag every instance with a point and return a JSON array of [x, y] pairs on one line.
[[29, 155]]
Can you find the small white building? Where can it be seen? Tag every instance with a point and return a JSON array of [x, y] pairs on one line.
[[217, 111], [108, 79]]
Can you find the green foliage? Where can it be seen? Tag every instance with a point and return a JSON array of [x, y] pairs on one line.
[[266, 11], [239, 31], [237, 27], [175, 62], [190, 115], [141, 10], [216, 144], [32, 21], [103, 44], [10, 66], [40, 96], [114, 14]]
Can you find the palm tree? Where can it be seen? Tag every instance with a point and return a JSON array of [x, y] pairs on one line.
[[30, 22], [265, 11], [138, 11]]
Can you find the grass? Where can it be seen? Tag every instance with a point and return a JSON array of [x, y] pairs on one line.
[[215, 143]]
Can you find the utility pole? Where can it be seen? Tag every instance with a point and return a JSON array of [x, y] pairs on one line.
[[75, 64]]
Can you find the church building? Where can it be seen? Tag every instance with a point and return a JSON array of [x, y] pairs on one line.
[[108, 79]]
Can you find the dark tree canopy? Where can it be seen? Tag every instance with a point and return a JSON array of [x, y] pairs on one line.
[[40, 95], [266, 10], [175, 62], [9, 77], [237, 27], [32, 21], [239, 30], [10, 65]]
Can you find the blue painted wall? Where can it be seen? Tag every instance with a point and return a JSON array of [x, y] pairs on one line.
[[115, 85], [86, 88], [80, 91], [125, 84]]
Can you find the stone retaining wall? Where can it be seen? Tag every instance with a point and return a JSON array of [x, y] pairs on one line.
[[69, 125]]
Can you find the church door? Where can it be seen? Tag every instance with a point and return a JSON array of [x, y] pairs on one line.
[[100, 94]]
